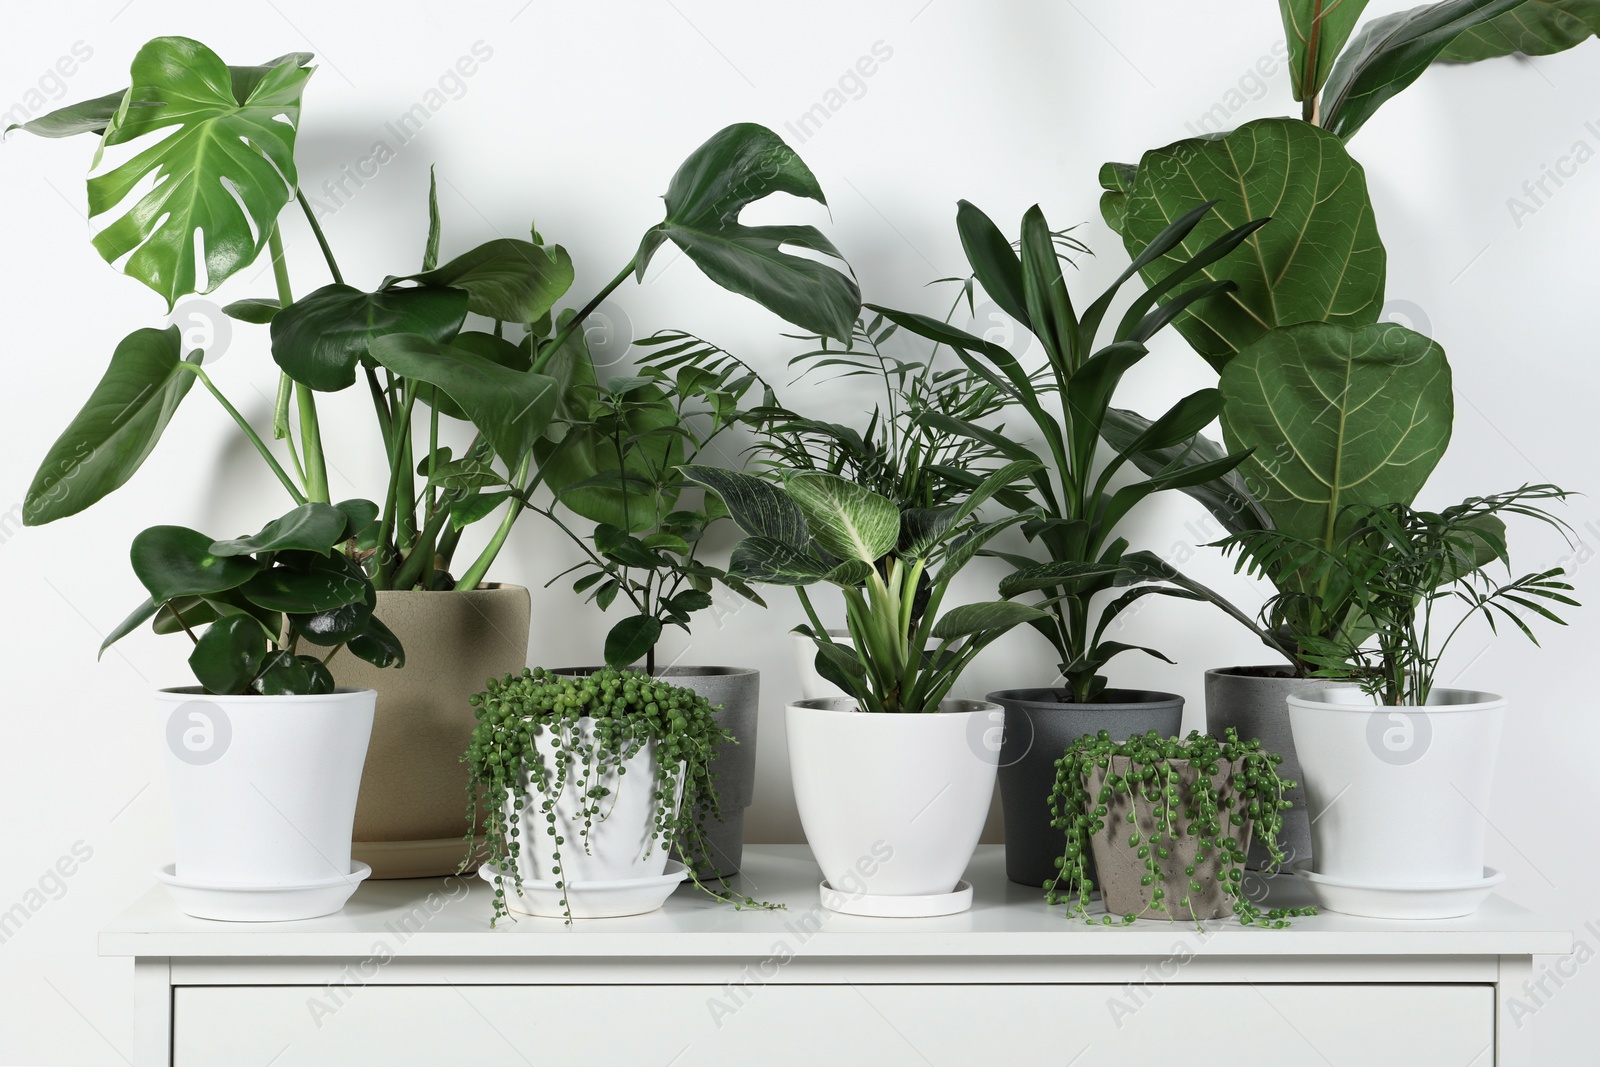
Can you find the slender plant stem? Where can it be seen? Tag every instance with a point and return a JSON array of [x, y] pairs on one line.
[[386, 559], [311, 438], [249, 432], [280, 276], [480, 566], [322, 240], [576, 322]]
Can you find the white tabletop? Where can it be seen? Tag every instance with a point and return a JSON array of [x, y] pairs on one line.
[[1006, 920]]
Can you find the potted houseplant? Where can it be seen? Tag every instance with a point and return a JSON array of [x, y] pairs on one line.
[[1399, 743], [1085, 568], [893, 782], [431, 346], [572, 834], [1169, 823], [264, 756]]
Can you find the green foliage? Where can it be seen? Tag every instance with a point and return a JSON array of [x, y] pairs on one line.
[[259, 597], [893, 566], [1534, 28], [1070, 505], [1316, 30], [1217, 791], [593, 725], [1366, 607]]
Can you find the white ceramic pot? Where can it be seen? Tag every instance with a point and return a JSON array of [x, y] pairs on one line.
[[813, 686], [893, 805], [263, 788], [622, 843], [1398, 796]]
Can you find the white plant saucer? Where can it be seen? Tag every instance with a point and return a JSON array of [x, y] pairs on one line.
[[924, 906], [589, 900], [262, 904], [1398, 902]]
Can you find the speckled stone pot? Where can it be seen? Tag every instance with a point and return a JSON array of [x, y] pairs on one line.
[[411, 817]]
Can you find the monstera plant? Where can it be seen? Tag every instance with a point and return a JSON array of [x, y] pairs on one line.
[[219, 141], [1340, 408]]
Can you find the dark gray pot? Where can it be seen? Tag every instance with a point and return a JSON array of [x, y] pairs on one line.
[[1254, 701], [1039, 727], [735, 694]]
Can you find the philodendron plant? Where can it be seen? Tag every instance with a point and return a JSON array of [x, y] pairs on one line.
[[1077, 508], [1339, 408], [267, 613], [893, 567], [219, 143]]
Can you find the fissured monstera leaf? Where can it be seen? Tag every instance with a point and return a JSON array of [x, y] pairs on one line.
[[738, 166], [1336, 416], [222, 171], [1534, 28], [116, 429], [1315, 31], [320, 339], [1392, 52], [1319, 259]]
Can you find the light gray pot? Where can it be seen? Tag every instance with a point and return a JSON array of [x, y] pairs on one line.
[[1254, 701], [735, 695], [1039, 727]]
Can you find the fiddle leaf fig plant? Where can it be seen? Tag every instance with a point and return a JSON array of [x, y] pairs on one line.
[[276, 607], [892, 565]]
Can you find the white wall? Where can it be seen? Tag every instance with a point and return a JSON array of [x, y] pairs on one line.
[[577, 120]]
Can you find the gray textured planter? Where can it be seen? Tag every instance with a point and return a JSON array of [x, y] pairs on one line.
[[1121, 871], [1254, 701], [736, 694], [1039, 727]]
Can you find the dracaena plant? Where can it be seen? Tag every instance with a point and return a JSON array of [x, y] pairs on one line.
[[268, 613], [1084, 562], [893, 567], [1384, 577], [219, 142]]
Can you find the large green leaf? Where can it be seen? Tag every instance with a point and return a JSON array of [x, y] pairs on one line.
[[323, 584], [310, 527], [1336, 416], [1392, 52], [116, 429], [1315, 31], [741, 164], [1535, 28], [765, 560], [631, 640], [847, 520], [87, 116], [607, 470], [510, 408], [321, 338], [1227, 497], [988, 620], [378, 645], [221, 174], [1319, 259], [755, 505], [506, 279], [226, 657], [174, 561]]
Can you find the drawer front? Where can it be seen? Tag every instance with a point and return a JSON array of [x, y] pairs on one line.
[[886, 1026]]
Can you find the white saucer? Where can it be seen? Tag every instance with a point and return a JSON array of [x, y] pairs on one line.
[[925, 906], [1398, 902], [589, 900], [262, 904]]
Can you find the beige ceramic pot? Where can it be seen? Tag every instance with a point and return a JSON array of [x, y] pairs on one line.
[[411, 818]]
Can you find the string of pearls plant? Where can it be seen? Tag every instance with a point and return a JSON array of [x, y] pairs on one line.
[[1175, 793], [628, 709]]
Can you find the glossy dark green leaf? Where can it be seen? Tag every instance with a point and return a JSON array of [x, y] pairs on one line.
[[136, 618], [988, 620], [476, 508], [756, 506], [1534, 28], [116, 430], [1392, 52], [378, 645], [193, 612], [336, 625], [257, 311], [737, 166], [223, 170], [1336, 417], [173, 561], [511, 409], [632, 488], [282, 674], [631, 640], [328, 582], [228, 655], [320, 339], [1064, 575], [311, 527], [494, 349], [87, 116], [1315, 31], [506, 279], [1319, 259], [321, 678], [358, 514], [1228, 497], [993, 261]]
